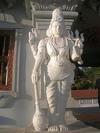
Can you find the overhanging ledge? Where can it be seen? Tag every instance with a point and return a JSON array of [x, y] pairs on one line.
[[47, 14]]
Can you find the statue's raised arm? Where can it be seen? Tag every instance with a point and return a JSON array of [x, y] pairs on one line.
[[33, 41], [79, 46], [76, 46]]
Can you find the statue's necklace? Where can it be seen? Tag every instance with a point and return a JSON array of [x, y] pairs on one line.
[[58, 42]]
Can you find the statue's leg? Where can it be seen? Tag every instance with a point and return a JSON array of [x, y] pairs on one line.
[[52, 93], [64, 89]]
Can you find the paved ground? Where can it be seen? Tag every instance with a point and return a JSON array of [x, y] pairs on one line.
[[75, 126]]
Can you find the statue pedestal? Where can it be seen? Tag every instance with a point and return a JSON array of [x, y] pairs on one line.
[[77, 127], [74, 125], [70, 120]]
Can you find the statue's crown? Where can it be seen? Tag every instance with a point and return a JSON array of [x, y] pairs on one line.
[[57, 15]]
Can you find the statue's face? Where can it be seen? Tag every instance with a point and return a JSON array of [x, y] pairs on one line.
[[57, 28]]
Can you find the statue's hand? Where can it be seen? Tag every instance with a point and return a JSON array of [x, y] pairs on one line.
[[35, 76], [78, 47], [33, 41], [79, 41], [80, 61], [80, 37], [75, 36], [33, 35]]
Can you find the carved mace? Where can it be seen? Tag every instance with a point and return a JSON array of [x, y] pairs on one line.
[[39, 118]]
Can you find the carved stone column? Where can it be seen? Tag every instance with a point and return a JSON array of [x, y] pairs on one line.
[[28, 8]]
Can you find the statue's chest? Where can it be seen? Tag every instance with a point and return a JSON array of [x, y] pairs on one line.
[[57, 49]]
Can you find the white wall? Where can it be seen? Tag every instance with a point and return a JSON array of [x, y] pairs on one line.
[[19, 111]]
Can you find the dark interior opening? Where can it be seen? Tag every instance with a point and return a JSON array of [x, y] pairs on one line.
[[4, 48], [91, 49]]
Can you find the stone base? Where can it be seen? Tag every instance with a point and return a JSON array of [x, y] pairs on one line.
[[77, 127], [74, 125]]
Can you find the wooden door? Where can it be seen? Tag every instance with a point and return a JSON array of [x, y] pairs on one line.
[[7, 42]]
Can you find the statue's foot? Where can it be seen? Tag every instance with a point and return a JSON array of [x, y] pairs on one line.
[[53, 128], [63, 128]]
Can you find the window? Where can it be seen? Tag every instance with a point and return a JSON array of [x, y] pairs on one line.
[[7, 42]]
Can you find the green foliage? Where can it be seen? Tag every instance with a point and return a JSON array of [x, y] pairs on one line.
[[92, 72], [87, 80], [83, 84]]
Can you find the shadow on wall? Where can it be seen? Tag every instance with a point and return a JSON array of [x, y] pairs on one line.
[[6, 101], [15, 8], [6, 121]]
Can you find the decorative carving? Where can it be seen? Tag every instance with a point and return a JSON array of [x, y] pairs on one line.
[[67, 5], [59, 48]]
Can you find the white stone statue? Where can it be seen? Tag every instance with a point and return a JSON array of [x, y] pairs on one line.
[[58, 49]]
